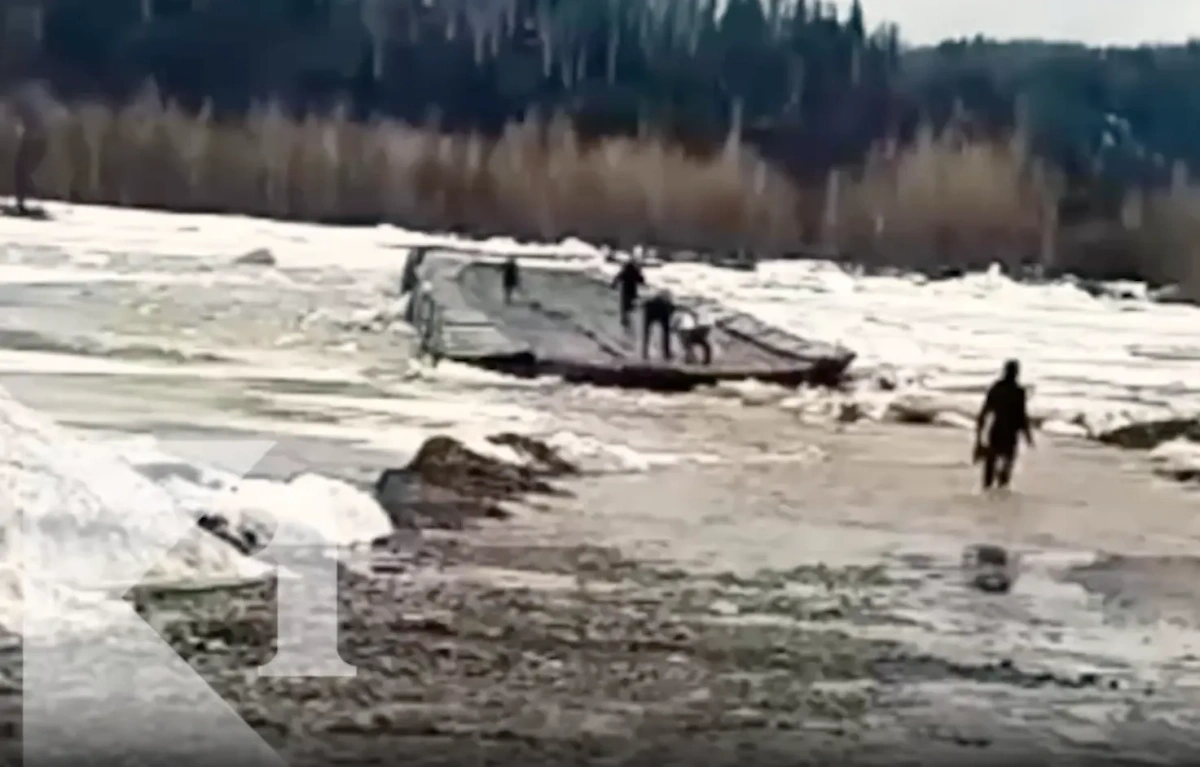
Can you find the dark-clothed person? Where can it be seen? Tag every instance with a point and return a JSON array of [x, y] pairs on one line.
[[510, 277], [627, 282], [1004, 412], [658, 310]]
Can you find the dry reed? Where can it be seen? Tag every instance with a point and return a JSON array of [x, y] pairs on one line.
[[941, 201], [535, 181], [1168, 242], [944, 202]]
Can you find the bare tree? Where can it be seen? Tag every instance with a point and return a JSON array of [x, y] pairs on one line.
[[377, 18], [486, 20]]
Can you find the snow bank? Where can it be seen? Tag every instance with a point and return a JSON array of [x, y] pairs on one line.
[[596, 457], [1178, 459], [77, 520], [334, 511]]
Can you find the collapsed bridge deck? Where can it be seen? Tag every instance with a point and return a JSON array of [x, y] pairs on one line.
[[564, 321]]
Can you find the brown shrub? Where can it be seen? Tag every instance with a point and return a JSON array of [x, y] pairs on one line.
[[1170, 239], [942, 201], [535, 181]]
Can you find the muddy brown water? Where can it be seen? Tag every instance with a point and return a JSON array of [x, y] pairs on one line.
[[799, 591], [907, 499]]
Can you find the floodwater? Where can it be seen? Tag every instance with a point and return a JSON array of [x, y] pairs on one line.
[[138, 324]]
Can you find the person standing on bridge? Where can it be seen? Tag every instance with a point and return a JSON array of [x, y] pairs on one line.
[[510, 278], [1005, 405], [658, 310], [694, 329], [628, 281]]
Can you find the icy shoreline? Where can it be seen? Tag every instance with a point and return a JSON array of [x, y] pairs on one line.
[[926, 349], [1094, 360], [1095, 354]]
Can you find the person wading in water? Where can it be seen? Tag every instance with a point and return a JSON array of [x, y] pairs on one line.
[[627, 282], [1005, 405]]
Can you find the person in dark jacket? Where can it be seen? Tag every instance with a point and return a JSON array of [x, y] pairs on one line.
[[628, 280], [658, 310], [1004, 412], [510, 277]]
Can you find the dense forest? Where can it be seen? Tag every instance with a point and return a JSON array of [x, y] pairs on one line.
[[808, 85], [680, 67]]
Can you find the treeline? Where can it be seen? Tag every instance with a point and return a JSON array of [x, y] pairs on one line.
[[809, 86], [623, 120], [1111, 119], [792, 73]]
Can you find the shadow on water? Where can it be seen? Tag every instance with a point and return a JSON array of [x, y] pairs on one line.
[[254, 407], [320, 388], [33, 341], [1143, 588]]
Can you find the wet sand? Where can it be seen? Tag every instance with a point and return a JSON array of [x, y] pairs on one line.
[[800, 604], [906, 500]]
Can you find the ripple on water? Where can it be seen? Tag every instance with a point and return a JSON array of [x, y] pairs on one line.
[[82, 346]]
